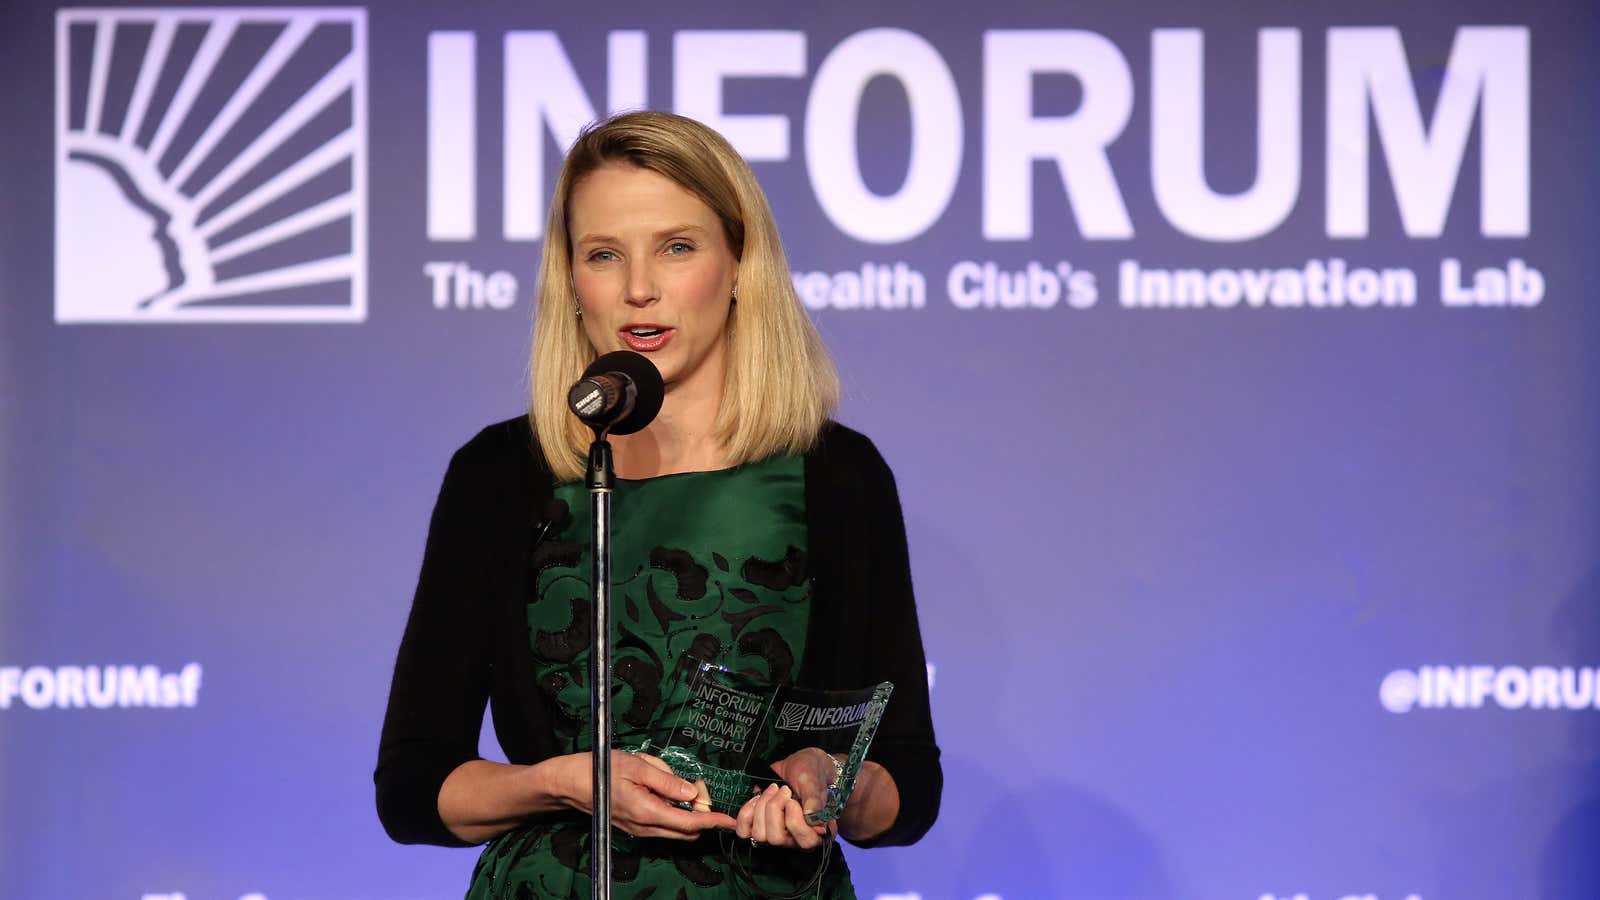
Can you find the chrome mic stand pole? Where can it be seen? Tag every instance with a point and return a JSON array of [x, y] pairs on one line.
[[620, 393], [600, 481]]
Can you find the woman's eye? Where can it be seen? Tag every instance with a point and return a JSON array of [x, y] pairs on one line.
[[602, 256], [679, 247]]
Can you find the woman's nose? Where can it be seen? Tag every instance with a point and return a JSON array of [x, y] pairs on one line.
[[641, 285]]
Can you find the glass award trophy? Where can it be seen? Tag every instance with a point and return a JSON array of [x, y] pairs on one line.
[[726, 728]]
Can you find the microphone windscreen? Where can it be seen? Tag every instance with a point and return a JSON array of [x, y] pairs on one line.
[[649, 389]]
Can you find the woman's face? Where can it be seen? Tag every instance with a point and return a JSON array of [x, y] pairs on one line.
[[653, 273]]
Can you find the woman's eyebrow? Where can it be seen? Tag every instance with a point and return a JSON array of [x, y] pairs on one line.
[[678, 229], [609, 239]]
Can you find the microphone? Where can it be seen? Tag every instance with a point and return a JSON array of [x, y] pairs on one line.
[[619, 393]]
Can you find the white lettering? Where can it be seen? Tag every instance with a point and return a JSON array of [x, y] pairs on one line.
[[38, 688], [1367, 70], [1577, 687], [1177, 137], [1518, 284], [10, 685], [452, 136], [542, 90], [69, 687], [1480, 681], [832, 157], [1318, 283], [1545, 691], [463, 287], [1511, 687], [1013, 137], [702, 60], [137, 686], [873, 286], [973, 285], [102, 686], [1368, 80]]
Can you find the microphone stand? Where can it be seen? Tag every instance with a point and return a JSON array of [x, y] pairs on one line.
[[600, 479], [620, 392]]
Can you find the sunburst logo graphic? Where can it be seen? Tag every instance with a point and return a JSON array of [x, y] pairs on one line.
[[211, 165], [792, 716]]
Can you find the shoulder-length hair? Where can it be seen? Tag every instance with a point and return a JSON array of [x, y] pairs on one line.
[[780, 386]]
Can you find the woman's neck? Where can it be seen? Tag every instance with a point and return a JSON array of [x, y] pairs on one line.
[[682, 438]]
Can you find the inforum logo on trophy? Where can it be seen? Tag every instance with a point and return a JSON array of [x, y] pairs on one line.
[[211, 165]]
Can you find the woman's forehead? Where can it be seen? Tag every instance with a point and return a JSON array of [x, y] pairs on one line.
[[618, 197]]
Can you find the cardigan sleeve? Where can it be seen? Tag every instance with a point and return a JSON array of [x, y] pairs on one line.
[[442, 671], [904, 744]]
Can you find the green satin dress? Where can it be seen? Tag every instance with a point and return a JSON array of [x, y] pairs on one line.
[[709, 563]]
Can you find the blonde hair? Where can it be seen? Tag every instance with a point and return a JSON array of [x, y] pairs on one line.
[[780, 386]]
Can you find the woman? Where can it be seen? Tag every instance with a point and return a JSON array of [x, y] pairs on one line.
[[750, 530]]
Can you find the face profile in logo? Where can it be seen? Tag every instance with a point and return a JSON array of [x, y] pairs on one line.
[[210, 165], [117, 255]]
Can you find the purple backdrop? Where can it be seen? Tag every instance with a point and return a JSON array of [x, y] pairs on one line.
[[1235, 362]]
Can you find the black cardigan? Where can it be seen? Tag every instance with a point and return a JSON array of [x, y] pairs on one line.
[[467, 636]]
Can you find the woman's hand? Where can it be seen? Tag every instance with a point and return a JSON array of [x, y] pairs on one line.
[[777, 816], [642, 791]]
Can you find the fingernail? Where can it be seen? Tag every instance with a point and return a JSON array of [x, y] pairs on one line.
[[686, 791]]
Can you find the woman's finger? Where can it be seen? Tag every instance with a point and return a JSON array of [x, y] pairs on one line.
[[746, 817], [636, 807], [666, 818], [654, 774], [808, 786], [685, 829], [759, 823], [777, 832], [650, 831], [655, 761], [794, 819]]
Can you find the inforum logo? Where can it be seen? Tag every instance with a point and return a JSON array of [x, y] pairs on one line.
[[211, 165], [1476, 687]]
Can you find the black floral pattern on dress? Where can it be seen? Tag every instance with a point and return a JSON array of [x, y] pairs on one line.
[[563, 646], [697, 871], [690, 574], [727, 607], [768, 645], [778, 575]]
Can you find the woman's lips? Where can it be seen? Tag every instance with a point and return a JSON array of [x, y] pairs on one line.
[[646, 344]]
